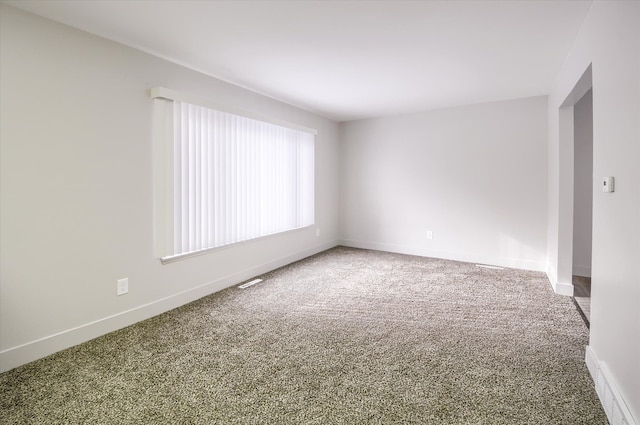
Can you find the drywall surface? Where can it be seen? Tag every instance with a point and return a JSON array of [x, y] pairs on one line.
[[474, 176], [583, 185], [77, 187], [608, 41]]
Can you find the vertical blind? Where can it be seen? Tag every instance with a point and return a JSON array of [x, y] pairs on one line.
[[235, 178]]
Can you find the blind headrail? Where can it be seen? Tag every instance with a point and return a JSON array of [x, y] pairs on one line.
[[164, 93]]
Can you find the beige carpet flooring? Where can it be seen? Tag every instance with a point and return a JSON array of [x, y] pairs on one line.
[[344, 337]]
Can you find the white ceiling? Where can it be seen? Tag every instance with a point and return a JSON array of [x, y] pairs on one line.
[[347, 59]]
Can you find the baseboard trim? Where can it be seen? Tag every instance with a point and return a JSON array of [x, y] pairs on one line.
[[612, 401], [559, 287], [34, 350], [515, 263], [564, 289]]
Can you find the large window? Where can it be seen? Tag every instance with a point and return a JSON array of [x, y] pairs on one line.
[[223, 178]]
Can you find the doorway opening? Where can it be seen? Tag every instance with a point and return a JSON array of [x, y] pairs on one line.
[[582, 203], [575, 201]]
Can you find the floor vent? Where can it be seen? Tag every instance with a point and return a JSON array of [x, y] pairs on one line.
[[253, 282], [484, 266]]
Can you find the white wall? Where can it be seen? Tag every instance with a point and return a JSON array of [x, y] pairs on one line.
[[583, 185], [609, 41], [76, 187], [475, 176]]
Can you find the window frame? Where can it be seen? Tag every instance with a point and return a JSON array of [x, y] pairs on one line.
[[163, 147]]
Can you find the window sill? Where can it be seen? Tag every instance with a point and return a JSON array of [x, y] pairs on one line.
[[174, 258]]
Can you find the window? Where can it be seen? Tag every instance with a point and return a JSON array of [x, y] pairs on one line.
[[223, 178]]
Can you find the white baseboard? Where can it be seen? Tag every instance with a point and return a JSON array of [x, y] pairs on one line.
[[612, 401], [34, 350], [515, 263], [559, 288]]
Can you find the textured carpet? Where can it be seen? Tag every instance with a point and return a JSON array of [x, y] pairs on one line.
[[344, 337]]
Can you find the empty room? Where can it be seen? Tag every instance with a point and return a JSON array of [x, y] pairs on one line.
[[320, 212]]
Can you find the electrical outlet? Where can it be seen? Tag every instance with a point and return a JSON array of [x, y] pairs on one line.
[[317, 232], [122, 286], [429, 234]]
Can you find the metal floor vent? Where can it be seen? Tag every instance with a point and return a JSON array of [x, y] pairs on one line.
[[484, 266], [253, 282]]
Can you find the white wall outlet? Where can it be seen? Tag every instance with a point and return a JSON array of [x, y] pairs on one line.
[[317, 232], [122, 286], [429, 234]]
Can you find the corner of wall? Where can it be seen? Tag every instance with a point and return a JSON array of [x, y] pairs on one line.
[[559, 287]]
